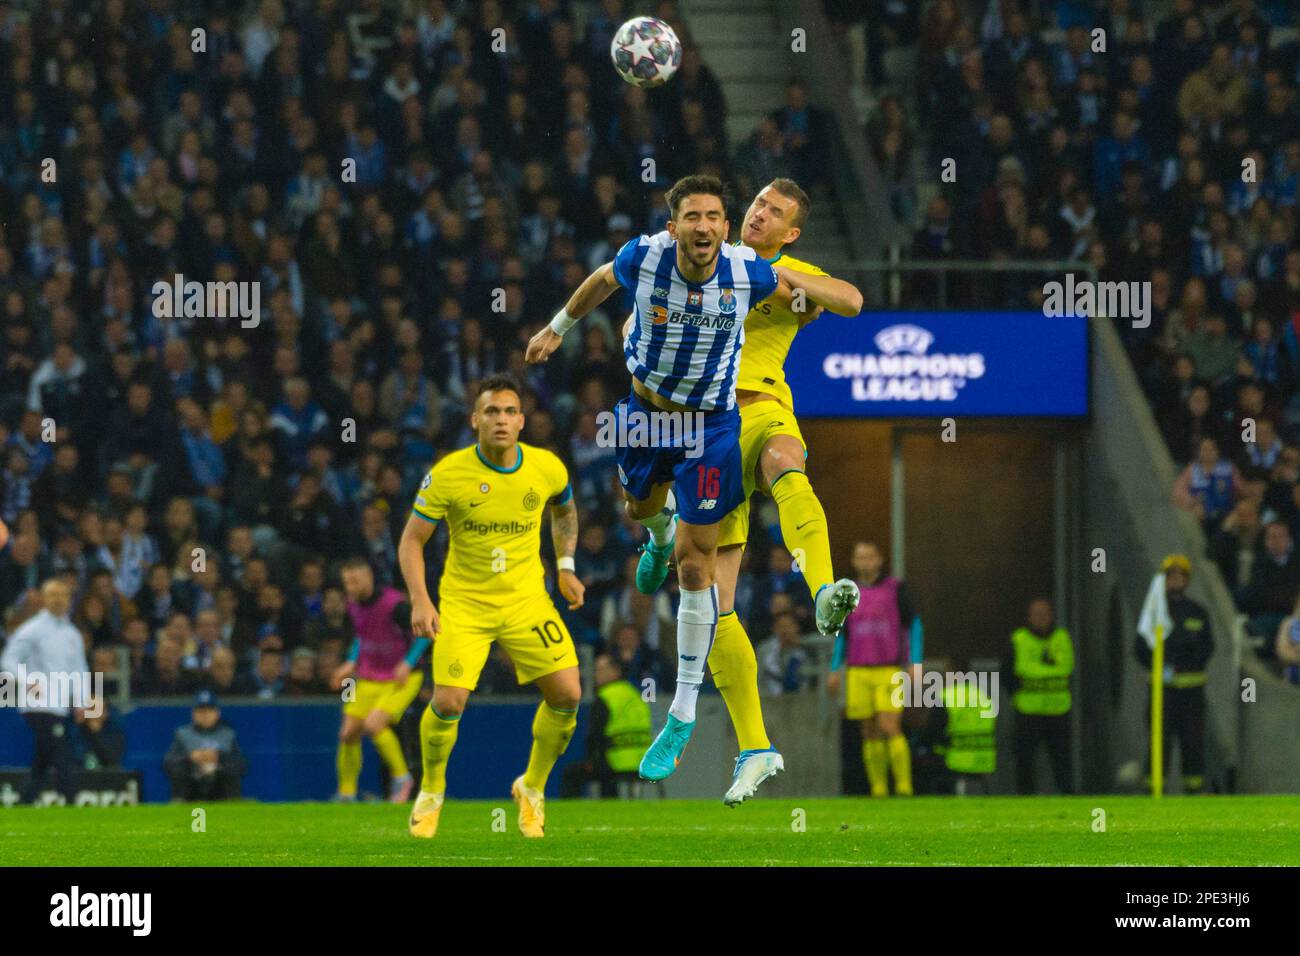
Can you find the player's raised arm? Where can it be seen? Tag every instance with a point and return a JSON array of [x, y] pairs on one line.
[[410, 556], [564, 536], [834, 295], [595, 289]]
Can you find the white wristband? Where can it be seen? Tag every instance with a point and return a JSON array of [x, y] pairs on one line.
[[562, 322], [564, 564]]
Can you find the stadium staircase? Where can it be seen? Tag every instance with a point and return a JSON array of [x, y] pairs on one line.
[[1128, 474], [747, 44]]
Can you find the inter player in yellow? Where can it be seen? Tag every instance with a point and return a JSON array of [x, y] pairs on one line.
[[773, 452], [492, 496]]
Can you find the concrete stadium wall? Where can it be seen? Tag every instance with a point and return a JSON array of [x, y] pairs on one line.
[[1127, 477]]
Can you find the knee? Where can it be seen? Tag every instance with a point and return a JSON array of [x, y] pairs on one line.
[[349, 734], [447, 705], [376, 722], [694, 572], [777, 463], [564, 700]]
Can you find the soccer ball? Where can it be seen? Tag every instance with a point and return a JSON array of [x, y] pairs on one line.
[[646, 52]]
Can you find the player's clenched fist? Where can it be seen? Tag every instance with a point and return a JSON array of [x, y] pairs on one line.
[[573, 589], [424, 619], [541, 345]]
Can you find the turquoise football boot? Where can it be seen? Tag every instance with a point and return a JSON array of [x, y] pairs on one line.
[[663, 756], [652, 568]]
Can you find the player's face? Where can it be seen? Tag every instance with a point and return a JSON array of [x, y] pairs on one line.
[[700, 226], [769, 221], [867, 560], [357, 583], [498, 419]]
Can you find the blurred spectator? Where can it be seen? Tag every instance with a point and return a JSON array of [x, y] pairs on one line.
[[101, 737], [1287, 645], [301, 680], [204, 761], [1274, 581], [785, 667], [1209, 486]]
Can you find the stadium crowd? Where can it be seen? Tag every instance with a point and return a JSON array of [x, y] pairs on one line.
[[1164, 149], [413, 188]]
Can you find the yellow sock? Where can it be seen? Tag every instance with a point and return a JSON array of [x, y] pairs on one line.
[[437, 737], [900, 761], [875, 756], [348, 763], [551, 732], [803, 526], [735, 674], [390, 752]]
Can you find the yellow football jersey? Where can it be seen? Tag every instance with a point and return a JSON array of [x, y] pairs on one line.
[[494, 519], [770, 329]]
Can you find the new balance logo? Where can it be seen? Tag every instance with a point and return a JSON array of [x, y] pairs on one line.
[[708, 504], [685, 658]]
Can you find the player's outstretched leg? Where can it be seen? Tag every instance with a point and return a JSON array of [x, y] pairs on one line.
[[697, 624], [437, 737], [804, 530], [735, 674], [652, 568]]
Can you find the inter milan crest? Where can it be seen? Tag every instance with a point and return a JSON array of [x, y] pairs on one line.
[[532, 500]]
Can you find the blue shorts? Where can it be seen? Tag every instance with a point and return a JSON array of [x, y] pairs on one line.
[[703, 465]]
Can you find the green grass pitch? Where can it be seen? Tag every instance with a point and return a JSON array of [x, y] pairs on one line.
[[993, 831]]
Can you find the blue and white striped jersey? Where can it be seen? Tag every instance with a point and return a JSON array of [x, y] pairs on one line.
[[685, 343]]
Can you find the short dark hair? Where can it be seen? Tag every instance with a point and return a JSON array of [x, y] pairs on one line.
[[792, 190], [697, 185], [354, 562], [499, 382]]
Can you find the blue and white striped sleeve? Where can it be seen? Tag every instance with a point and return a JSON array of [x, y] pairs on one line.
[[624, 268]]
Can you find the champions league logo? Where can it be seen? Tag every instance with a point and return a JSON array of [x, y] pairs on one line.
[[904, 370]]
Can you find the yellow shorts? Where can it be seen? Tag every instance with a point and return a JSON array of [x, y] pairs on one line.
[[759, 421], [869, 691], [529, 629], [387, 695]]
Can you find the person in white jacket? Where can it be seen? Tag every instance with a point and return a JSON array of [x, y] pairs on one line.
[[44, 662]]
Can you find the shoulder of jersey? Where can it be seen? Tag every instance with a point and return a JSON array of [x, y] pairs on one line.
[[740, 251], [452, 459], [660, 240], [541, 455], [798, 265]]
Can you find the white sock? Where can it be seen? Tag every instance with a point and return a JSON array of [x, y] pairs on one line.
[[683, 706], [697, 623], [661, 526]]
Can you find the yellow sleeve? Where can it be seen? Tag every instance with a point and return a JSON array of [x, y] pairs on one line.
[[432, 501], [560, 492], [798, 265]]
